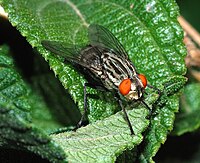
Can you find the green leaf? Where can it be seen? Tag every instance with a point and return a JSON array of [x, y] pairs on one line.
[[104, 140], [149, 32], [16, 129], [188, 119]]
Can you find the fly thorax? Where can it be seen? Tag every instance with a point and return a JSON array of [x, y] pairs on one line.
[[114, 69], [89, 56]]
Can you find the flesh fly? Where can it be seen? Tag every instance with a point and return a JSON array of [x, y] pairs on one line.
[[105, 65]]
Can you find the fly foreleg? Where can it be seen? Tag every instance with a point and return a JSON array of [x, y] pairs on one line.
[[154, 88], [126, 116]]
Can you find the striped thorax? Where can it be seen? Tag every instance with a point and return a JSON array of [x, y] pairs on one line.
[[112, 71]]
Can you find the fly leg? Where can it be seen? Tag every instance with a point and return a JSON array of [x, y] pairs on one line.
[[84, 115], [126, 116], [152, 111], [156, 89], [80, 123], [145, 104]]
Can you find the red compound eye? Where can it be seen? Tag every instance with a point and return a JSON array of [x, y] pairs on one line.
[[143, 79], [125, 86]]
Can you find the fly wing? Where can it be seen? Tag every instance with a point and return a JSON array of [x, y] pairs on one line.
[[101, 37], [71, 53], [85, 59]]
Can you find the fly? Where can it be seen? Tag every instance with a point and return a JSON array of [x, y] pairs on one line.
[[105, 65]]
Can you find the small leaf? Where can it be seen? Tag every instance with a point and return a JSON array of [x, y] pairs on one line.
[[188, 119]]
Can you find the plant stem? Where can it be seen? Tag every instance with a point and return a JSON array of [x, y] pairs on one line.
[[193, 33]]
